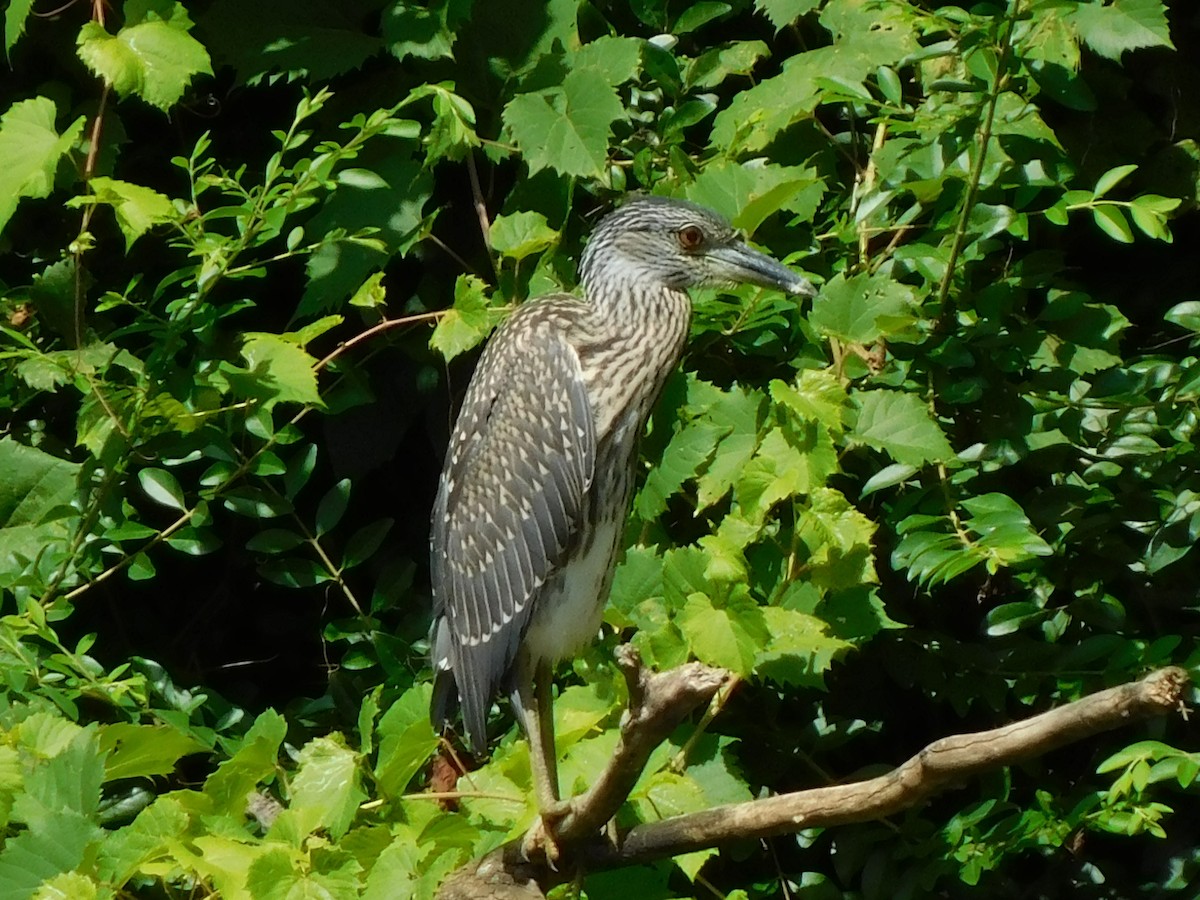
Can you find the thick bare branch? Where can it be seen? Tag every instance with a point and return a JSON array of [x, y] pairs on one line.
[[940, 765], [659, 702]]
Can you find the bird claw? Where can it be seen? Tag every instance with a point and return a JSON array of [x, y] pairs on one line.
[[542, 839]]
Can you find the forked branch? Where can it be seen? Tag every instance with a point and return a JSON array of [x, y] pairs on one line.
[[659, 702]]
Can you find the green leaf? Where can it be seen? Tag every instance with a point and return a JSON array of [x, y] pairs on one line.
[[365, 542], [152, 55], [784, 12], [253, 762], [468, 322], [136, 751], [616, 58], [34, 483], [332, 507], [274, 540], [818, 396], [1113, 223], [406, 740], [309, 40], [1111, 29], [800, 649], [280, 371], [863, 308], [67, 886], [1185, 315], [687, 450], [34, 856], [162, 487], [748, 194], [699, 14], [729, 636], [522, 234], [149, 837], [566, 128], [137, 208], [371, 294], [901, 425], [30, 151], [14, 23], [1111, 179], [325, 791]]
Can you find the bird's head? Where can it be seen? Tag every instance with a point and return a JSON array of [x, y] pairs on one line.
[[656, 240]]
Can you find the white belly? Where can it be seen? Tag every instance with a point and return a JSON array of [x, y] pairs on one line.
[[569, 612]]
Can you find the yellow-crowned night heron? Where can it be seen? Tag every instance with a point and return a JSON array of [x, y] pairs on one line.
[[540, 468]]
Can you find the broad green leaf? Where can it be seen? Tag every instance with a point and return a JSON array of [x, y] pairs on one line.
[[468, 322], [253, 762], [34, 483], [522, 234], [748, 194], [325, 791], [137, 208], [32, 857], [687, 450], [566, 128], [616, 58], [863, 308], [136, 751], [713, 66], [67, 783], [901, 425], [30, 151], [784, 12], [162, 487], [68, 886], [406, 740], [800, 649], [152, 55], [729, 636], [301, 39], [638, 579], [838, 539], [1111, 29], [425, 31], [280, 371], [818, 396]]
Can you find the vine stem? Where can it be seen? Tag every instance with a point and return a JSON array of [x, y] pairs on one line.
[[985, 138]]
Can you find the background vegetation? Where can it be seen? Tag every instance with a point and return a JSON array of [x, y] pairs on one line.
[[960, 488]]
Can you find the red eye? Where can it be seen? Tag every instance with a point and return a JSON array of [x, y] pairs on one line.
[[691, 237]]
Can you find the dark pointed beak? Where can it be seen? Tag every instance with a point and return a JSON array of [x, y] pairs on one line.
[[739, 263]]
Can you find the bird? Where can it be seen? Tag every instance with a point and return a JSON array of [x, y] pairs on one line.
[[540, 468]]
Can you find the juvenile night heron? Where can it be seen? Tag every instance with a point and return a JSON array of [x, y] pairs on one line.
[[540, 469]]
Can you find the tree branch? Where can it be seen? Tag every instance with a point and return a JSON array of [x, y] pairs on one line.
[[944, 763], [659, 701]]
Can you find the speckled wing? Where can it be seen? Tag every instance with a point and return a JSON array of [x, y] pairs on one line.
[[512, 494]]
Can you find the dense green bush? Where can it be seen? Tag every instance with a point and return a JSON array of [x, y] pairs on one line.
[[239, 245]]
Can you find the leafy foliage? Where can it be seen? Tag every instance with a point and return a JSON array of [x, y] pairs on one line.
[[240, 244]]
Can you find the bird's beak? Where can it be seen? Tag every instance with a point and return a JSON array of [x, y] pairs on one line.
[[738, 263]]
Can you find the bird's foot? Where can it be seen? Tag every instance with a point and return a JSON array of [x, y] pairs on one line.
[[542, 838]]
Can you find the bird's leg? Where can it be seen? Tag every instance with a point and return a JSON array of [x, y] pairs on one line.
[[534, 692], [544, 755]]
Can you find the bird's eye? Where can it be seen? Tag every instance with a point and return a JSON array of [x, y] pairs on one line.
[[691, 237]]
